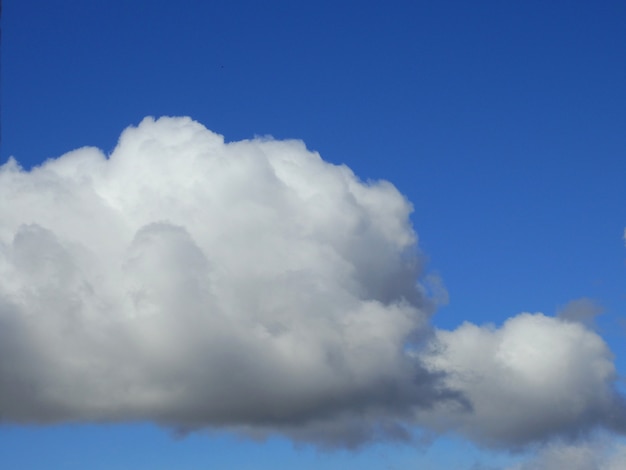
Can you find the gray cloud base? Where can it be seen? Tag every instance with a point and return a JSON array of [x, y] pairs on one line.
[[597, 454], [252, 286]]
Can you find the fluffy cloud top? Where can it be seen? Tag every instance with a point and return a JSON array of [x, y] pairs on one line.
[[253, 286]]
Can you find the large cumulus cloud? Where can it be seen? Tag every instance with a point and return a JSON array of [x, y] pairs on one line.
[[198, 283], [252, 286]]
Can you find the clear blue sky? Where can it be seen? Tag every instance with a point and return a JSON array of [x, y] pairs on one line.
[[503, 123]]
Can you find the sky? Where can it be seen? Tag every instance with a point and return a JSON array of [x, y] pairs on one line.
[[284, 234]]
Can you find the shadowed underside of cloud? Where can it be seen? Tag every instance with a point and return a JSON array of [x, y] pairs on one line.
[[597, 454], [253, 286]]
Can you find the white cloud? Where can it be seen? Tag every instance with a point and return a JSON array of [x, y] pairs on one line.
[[198, 283], [253, 286], [532, 378]]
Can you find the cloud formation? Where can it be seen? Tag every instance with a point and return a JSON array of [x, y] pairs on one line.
[[583, 310], [197, 283], [532, 378], [252, 286], [593, 455]]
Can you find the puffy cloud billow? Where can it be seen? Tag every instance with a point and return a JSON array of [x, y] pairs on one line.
[[532, 378], [252, 286]]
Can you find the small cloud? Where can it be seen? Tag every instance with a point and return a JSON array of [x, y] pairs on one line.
[[583, 310], [531, 379]]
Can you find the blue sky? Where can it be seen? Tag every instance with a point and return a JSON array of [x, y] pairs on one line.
[[501, 122]]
